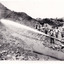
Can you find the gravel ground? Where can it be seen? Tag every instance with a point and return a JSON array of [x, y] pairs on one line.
[[12, 48]]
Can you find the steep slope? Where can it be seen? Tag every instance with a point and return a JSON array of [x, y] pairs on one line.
[[13, 44], [19, 17], [29, 40], [15, 37], [23, 18]]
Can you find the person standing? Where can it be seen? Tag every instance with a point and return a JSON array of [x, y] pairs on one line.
[[56, 30], [46, 29], [62, 33], [51, 34]]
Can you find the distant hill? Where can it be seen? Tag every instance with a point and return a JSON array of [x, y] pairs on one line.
[[52, 22], [6, 13]]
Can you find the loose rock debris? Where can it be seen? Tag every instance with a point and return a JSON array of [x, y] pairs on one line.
[[11, 48]]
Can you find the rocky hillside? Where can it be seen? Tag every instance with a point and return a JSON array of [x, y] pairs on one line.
[[19, 17], [13, 44], [13, 41], [23, 18]]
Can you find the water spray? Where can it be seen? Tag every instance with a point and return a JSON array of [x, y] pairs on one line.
[[8, 22], [18, 25]]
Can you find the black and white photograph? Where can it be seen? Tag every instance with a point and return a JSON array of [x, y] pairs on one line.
[[32, 30]]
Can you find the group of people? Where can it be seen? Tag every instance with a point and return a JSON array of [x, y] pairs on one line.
[[53, 32]]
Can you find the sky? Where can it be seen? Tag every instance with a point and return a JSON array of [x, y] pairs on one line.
[[37, 8]]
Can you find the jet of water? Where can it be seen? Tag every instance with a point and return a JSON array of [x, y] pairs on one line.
[[18, 25]]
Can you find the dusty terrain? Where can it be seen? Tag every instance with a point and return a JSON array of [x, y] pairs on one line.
[[13, 47], [13, 40]]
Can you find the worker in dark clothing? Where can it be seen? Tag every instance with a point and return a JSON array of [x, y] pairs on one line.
[[39, 27], [51, 34], [36, 26], [46, 29]]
